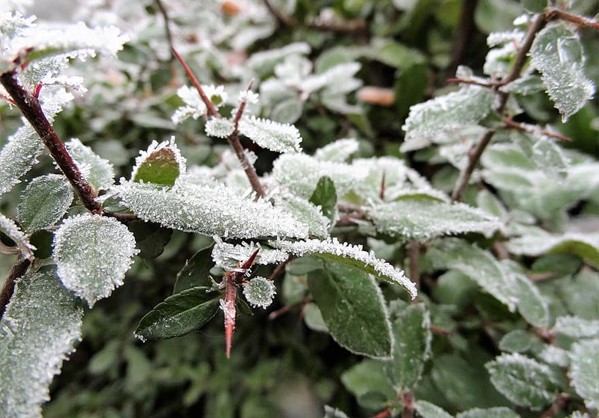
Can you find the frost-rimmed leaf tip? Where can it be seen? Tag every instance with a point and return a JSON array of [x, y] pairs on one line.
[[333, 248], [162, 163]]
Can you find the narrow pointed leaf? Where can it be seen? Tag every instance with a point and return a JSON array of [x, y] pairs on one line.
[[353, 308], [44, 201], [8, 227], [179, 314], [584, 371], [523, 380], [92, 254], [38, 331]]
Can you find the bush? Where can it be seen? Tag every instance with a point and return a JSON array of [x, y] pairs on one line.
[[279, 166]]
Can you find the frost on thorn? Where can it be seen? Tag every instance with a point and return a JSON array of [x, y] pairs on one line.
[[259, 292]]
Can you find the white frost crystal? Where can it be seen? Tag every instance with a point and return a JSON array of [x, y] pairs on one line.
[[38, 330], [228, 256], [259, 292], [93, 253]]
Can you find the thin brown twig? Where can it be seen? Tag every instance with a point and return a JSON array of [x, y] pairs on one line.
[[475, 154], [18, 270], [414, 263], [556, 406], [279, 269], [555, 13], [30, 107], [509, 123], [210, 108]]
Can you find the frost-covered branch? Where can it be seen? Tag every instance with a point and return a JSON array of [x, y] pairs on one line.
[[8, 288], [524, 127], [555, 13], [30, 107]]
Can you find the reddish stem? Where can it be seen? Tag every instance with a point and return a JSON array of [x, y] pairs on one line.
[[8, 288], [210, 108]]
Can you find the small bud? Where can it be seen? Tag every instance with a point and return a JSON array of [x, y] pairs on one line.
[[259, 292]]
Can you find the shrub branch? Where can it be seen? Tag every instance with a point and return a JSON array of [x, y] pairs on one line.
[[19, 269]]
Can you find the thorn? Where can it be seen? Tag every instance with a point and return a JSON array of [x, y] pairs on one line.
[[382, 187], [37, 90]]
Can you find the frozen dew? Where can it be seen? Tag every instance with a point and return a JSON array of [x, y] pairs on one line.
[[259, 292], [576, 327], [278, 137], [305, 212], [92, 254]]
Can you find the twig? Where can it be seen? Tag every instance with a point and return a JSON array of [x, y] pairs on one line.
[[30, 108], [8, 288], [414, 262], [556, 406], [477, 152], [463, 37], [509, 123], [407, 399], [210, 108], [279, 269], [555, 13], [167, 28], [281, 18], [385, 413], [482, 83]]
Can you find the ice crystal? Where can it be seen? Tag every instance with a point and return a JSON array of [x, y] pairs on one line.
[[92, 254], [259, 292], [271, 135], [248, 96], [219, 127], [96, 170], [354, 252], [37, 332], [212, 210], [229, 256], [8, 227]]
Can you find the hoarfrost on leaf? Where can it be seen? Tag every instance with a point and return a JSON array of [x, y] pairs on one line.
[[96, 170], [429, 410], [259, 292], [38, 330], [575, 327], [92, 254], [161, 164], [219, 127], [498, 412], [228, 256], [44, 201], [271, 135], [351, 254], [8, 227], [305, 212], [339, 151], [584, 371], [557, 53]]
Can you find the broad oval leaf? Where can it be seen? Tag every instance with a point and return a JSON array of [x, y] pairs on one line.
[[368, 377], [353, 308], [44, 201], [412, 334], [584, 371], [429, 410], [161, 164], [523, 380], [179, 314], [39, 329], [557, 53], [305, 212], [92, 254], [196, 271]]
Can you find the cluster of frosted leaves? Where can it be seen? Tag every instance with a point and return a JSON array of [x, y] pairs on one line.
[[11, 230], [228, 256], [424, 218], [526, 186], [264, 62], [278, 137], [193, 105], [558, 55], [92, 254], [209, 209], [162, 163], [584, 371], [353, 254], [24, 147], [45, 200], [499, 60], [455, 110], [259, 292], [38, 330], [96, 170]]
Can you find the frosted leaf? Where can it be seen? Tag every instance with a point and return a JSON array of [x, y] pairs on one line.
[[531, 304], [502, 38], [575, 327], [265, 62], [306, 213], [578, 414], [248, 96], [557, 53], [10, 229], [228, 256], [259, 292], [338, 79], [584, 371], [92, 254], [37, 332], [498, 412], [525, 85], [219, 127], [355, 255], [523, 380], [423, 219], [161, 164], [96, 170], [211, 210], [429, 410], [271, 135], [555, 355], [194, 106], [339, 151], [455, 110], [330, 412], [44, 201], [498, 62]]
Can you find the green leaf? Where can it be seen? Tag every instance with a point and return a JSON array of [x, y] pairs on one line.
[[429, 410], [325, 196], [557, 53], [313, 318], [39, 329], [196, 271], [523, 380], [306, 213], [581, 294], [150, 238], [424, 219], [531, 304], [499, 412], [584, 371], [96, 170], [179, 314], [517, 341], [577, 327], [92, 254], [411, 329], [544, 153], [368, 377], [455, 110], [353, 308], [160, 164], [287, 111], [44, 201], [394, 54]]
